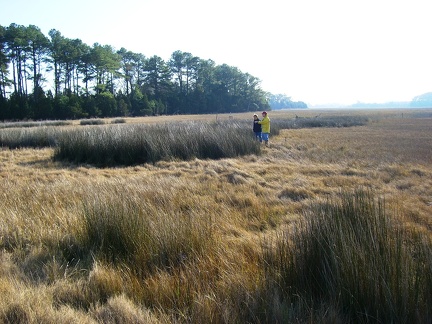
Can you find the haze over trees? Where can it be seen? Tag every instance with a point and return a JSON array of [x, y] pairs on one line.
[[54, 77], [422, 101], [282, 101]]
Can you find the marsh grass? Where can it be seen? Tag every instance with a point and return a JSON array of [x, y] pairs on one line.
[[95, 121], [116, 144], [28, 124], [128, 230], [39, 137], [318, 121], [136, 144], [354, 254], [119, 121], [281, 236]]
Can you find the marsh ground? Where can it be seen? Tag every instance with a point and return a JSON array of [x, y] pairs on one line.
[[243, 200]]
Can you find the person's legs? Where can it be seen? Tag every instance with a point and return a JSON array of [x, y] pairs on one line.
[[265, 138], [258, 136]]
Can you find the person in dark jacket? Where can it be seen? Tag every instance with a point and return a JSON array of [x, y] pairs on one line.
[[257, 128]]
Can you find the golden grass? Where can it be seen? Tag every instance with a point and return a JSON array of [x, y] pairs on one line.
[[245, 199]]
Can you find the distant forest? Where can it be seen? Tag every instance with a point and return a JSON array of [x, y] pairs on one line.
[[56, 77]]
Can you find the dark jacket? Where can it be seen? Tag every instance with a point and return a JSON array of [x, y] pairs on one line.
[[256, 127]]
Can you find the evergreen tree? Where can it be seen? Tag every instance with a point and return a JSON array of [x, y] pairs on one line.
[[100, 82]]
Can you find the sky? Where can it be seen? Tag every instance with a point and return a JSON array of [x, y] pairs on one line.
[[315, 51]]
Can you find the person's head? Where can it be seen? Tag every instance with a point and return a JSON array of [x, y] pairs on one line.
[[264, 113], [255, 116]]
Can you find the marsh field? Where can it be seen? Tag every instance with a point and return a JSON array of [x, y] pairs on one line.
[[329, 224]]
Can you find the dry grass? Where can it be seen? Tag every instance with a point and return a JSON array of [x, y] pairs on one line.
[[47, 276]]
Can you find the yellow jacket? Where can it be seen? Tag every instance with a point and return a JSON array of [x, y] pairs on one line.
[[265, 123]]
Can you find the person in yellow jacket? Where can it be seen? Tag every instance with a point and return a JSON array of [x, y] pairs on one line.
[[265, 124]]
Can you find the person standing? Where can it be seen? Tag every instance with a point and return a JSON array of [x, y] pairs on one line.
[[265, 124], [257, 128]]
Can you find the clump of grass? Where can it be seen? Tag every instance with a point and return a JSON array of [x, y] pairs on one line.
[[93, 121], [318, 121], [352, 257], [295, 194], [135, 144], [121, 310], [28, 124], [118, 121], [15, 313], [128, 230], [35, 138]]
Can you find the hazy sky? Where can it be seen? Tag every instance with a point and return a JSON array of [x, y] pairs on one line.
[[316, 51]]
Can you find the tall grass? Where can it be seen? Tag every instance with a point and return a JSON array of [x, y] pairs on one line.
[[94, 121], [126, 229], [111, 145], [38, 137], [28, 124], [134, 144], [353, 257], [317, 121]]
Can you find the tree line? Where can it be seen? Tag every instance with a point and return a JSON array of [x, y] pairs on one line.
[[282, 101], [56, 77]]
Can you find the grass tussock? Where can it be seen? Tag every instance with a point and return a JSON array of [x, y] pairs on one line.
[[28, 124], [39, 137], [120, 309], [94, 121], [144, 235], [353, 255], [119, 121], [136, 144]]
